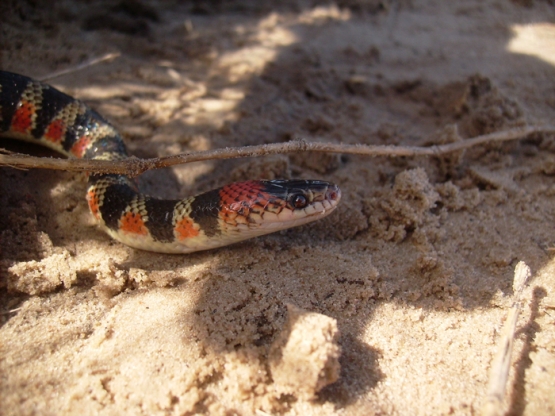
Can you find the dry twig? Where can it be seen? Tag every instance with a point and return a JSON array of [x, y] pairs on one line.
[[134, 166]]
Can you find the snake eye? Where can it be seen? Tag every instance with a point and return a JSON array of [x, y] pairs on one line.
[[298, 201]]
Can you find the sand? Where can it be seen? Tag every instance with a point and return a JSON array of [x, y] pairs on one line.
[[392, 305]]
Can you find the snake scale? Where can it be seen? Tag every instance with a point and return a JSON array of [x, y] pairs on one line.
[[36, 112]]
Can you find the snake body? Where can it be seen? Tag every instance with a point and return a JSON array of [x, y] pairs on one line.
[[33, 111]]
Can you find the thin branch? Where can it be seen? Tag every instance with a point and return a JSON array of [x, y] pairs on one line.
[[134, 166]]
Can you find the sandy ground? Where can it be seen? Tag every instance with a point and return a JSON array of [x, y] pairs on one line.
[[392, 305]]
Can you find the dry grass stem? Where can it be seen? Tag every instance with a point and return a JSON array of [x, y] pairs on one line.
[[499, 373]]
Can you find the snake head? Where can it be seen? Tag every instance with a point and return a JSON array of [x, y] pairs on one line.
[[304, 197], [269, 206]]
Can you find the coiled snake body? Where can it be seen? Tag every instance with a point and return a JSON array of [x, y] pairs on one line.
[[36, 112]]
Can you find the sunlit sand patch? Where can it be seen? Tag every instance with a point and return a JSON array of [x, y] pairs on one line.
[[535, 40]]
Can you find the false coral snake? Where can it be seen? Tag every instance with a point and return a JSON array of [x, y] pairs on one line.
[[36, 112]]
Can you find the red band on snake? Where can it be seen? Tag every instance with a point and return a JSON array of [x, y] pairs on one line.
[[36, 112]]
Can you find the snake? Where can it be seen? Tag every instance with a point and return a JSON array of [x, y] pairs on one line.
[[36, 112]]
